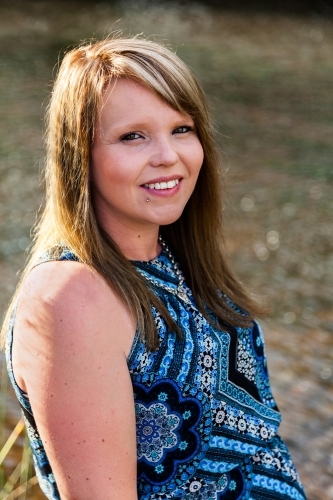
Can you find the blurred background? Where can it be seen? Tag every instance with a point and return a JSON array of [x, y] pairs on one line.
[[268, 74]]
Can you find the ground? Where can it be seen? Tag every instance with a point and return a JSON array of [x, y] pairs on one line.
[[269, 80]]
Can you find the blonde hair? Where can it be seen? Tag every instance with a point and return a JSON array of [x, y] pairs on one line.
[[196, 237]]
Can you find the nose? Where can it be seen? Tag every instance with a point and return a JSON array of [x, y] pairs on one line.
[[164, 153]]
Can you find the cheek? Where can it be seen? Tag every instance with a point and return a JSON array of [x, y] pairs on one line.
[[197, 154], [97, 165], [106, 168]]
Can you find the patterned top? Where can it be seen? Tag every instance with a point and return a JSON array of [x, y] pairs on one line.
[[206, 419]]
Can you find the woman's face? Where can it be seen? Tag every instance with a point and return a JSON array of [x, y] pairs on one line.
[[143, 150]]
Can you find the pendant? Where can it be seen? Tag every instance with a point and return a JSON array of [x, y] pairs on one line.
[[183, 296]]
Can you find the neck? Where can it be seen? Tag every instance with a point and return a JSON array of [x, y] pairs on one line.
[[135, 245], [137, 241]]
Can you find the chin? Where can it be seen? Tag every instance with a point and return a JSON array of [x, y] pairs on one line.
[[169, 218]]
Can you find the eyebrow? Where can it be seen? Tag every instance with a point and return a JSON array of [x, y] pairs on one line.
[[142, 125]]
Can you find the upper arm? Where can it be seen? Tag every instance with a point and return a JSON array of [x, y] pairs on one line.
[[71, 338]]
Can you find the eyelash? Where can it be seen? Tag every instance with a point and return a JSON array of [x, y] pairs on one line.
[[127, 136], [186, 127], [131, 135]]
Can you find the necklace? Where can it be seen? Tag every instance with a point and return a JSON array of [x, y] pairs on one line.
[[181, 290]]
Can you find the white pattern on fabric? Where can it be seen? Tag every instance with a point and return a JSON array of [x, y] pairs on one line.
[[155, 430]]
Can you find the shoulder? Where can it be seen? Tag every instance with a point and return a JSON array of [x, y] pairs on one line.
[[56, 286], [52, 282], [68, 300]]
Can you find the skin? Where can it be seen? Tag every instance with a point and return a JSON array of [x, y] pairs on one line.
[[161, 144], [73, 329]]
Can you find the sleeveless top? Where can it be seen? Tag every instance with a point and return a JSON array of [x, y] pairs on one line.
[[206, 420]]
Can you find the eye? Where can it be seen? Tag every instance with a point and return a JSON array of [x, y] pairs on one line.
[[183, 129], [131, 136]]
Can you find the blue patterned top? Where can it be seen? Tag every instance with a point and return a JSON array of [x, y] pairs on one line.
[[206, 419]]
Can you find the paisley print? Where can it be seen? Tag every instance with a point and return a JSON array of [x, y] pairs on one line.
[[206, 420], [172, 423]]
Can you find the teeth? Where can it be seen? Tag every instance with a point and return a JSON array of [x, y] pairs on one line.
[[163, 185]]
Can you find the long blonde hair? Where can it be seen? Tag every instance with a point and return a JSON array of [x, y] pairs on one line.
[[196, 238]]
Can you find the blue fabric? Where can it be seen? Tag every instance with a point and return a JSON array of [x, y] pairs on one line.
[[207, 423]]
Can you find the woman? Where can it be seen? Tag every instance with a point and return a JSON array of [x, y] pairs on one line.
[[139, 372]]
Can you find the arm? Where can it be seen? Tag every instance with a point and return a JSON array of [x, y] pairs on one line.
[[71, 338]]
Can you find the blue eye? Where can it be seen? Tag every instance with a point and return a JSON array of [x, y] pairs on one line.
[[131, 136], [183, 129]]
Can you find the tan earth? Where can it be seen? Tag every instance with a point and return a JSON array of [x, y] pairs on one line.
[[269, 80]]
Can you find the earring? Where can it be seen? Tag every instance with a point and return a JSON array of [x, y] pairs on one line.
[[147, 199]]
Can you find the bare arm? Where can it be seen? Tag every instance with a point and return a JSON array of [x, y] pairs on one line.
[[71, 338]]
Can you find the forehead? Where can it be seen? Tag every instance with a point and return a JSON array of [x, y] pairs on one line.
[[126, 98], [125, 90]]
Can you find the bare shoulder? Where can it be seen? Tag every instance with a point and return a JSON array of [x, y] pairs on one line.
[[56, 285], [68, 295], [67, 307]]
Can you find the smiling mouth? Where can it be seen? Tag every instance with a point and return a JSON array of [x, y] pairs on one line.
[[163, 185]]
